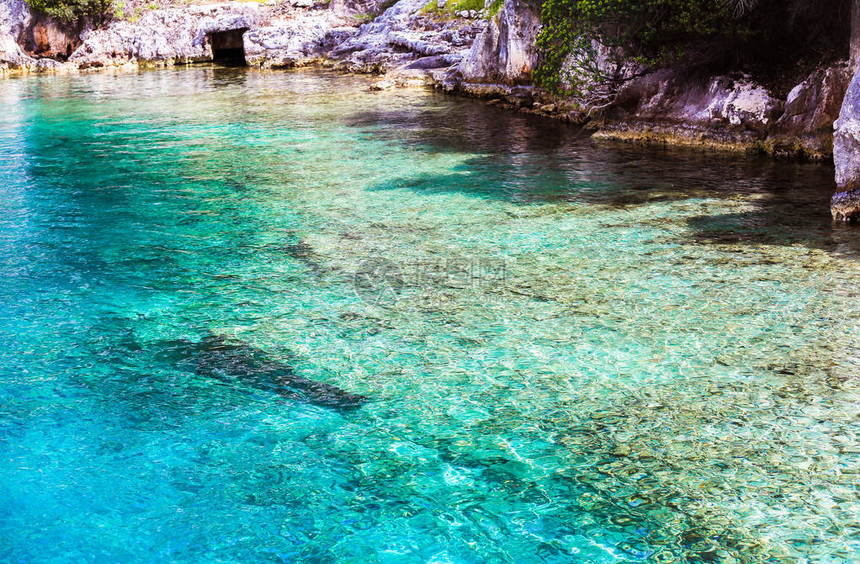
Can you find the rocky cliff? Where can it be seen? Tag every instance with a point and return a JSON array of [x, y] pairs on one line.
[[15, 24], [408, 44], [402, 41], [164, 36], [667, 106], [473, 52], [504, 52]]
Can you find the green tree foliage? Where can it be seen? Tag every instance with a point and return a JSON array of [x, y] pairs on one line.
[[716, 33], [72, 10]]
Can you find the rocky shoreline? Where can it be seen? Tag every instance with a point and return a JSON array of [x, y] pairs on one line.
[[470, 53]]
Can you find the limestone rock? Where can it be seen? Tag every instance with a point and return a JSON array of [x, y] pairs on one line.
[[741, 102], [371, 47], [405, 42], [505, 51], [666, 96], [47, 37], [164, 36], [14, 19], [845, 205], [295, 42], [351, 7], [806, 127], [666, 106], [382, 85]]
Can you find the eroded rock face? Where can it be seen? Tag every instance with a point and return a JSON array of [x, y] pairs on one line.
[[667, 107], [505, 51], [351, 7], [665, 96], [295, 42], [407, 44], [845, 204], [47, 37], [403, 41], [164, 36], [14, 19], [372, 45], [806, 127]]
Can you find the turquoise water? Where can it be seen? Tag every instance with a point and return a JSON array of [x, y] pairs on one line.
[[570, 352]]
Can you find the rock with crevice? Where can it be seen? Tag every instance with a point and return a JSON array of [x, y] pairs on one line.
[[669, 107], [176, 35], [371, 44], [806, 127], [48, 37], [669, 97], [845, 205], [14, 19], [408, 44], [296, 41], [505, 52]]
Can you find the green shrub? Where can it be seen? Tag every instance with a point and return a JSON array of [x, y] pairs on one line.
[[454, 6], [72, 10], [495, 7], [729, 34]]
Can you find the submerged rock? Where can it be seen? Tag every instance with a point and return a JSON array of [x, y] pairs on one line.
[[845, 205], [214, 356]]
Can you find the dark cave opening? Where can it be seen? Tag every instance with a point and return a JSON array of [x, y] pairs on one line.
[[228, 46]]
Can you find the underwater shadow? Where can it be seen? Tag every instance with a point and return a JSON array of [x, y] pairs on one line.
[[525, 159], [238, 362], [793, 209]]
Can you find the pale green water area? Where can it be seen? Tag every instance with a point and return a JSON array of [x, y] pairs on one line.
[[576, 352]]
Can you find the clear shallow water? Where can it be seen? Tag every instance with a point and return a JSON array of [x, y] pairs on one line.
[[577, 353]]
